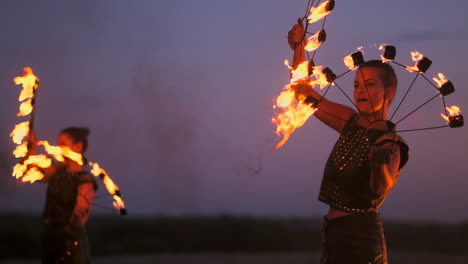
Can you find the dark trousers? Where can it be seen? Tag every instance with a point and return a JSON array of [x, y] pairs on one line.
[[354, 239], [64, 247]]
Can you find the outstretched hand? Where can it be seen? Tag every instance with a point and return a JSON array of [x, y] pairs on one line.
[[301, 87], [296, 35]]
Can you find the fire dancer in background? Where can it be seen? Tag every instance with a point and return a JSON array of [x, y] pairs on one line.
[[70, 194], [364, 164]]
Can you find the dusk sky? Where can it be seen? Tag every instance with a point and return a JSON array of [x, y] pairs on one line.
[[178, 96]]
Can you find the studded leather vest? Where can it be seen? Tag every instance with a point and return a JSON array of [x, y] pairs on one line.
[[62, 189], [346, 180]]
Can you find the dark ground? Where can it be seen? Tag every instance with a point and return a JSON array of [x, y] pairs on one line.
[[231, 237]]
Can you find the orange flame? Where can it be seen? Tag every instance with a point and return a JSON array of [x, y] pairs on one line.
[[294, 116], [318, 78], [29, 82], [301, 72], [382, 47], [453, 111], [441, 80], [111, 187], [348, 61], [317, 13], [313, 43], [33, 175], [21, 150], [18, 170], [416, 57], [294, 113], [25, 108], [61, 152], [20, 132]]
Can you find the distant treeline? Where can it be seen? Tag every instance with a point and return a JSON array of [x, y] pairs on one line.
[[20, 235]]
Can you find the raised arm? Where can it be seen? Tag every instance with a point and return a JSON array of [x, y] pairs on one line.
[[332, 114], [32, 148]]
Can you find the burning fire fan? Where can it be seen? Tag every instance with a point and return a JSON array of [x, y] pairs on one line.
[[369, 155], [27, 168], [293, 110]]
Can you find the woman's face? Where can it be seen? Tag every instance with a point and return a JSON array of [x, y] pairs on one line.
[[64, 139], [369, 91]]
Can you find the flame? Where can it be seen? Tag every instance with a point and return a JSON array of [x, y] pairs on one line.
[[111, 187], [313, 43], [118, 203], [25, 108], [29, 82], [301, 72], [319, 79], [294, 113], [21, 150], [19, 132], [441, 81], [317, 13], [294, 116], [382, 47], [33, 175], [453, 111], [348, 61], [19, 169], [61, 152], [416, 57]]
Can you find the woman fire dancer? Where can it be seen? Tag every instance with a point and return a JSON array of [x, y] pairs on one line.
[[70, 194], [363, 166]]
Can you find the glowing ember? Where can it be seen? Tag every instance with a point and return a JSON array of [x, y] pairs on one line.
[[20, 132], [416, 57], [317, 13], [441, 80]]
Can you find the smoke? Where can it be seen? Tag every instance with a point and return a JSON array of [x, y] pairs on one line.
[[172, 132]]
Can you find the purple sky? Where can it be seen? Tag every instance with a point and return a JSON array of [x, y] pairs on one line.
[[178, 96]]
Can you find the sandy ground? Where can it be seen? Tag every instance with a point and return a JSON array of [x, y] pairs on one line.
[[257, 258]]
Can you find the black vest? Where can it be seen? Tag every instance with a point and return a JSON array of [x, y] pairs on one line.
[[346, 180], [62, 189]]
